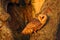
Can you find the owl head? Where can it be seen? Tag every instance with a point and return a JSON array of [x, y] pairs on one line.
[[42, 18]]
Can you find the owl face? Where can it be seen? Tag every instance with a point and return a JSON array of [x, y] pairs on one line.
[[42, 18]]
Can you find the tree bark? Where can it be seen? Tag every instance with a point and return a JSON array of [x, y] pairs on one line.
[[50, 31]]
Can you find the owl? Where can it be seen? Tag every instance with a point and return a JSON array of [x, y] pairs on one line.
[[35, 24]]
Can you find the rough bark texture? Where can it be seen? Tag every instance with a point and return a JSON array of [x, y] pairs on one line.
[[21, 14], [50, 29], [5, 32]]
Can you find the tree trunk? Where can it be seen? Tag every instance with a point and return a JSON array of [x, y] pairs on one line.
[[21, 15], [5, 31]]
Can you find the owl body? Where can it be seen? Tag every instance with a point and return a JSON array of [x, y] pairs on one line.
[[33, 26]]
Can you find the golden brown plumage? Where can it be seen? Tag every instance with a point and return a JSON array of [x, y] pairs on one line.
[[35, 25]]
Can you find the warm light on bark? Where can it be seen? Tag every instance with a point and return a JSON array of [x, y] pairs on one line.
[[37, 4]]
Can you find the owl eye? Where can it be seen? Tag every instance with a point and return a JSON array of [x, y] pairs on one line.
[[42, 17]]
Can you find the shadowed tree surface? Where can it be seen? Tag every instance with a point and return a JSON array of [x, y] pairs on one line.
[[5, 31], [21, 15]]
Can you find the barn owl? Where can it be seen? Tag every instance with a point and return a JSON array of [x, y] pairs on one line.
[[35, 24]]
